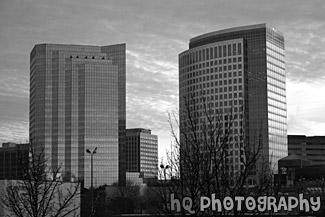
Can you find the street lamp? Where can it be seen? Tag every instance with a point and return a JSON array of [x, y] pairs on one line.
[[164, 168], [91, 176]]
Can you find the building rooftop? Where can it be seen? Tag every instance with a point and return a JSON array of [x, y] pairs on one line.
[[198, 40], [139, 130], [234, 29]]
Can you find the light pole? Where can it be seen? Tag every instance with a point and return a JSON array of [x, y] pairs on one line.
[[91, 177], [164, 168]]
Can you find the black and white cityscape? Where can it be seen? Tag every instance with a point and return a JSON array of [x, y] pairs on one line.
[[162, 108]]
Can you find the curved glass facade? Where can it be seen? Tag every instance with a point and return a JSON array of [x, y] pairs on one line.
[[240, 71]]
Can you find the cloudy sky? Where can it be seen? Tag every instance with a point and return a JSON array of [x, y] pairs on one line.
[[155, 32]]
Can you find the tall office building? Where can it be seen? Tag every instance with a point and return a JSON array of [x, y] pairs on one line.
[[142, 152], [77, 102], [239, 71]]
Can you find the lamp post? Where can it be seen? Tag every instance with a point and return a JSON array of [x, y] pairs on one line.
[[91, 177], [164, 168]]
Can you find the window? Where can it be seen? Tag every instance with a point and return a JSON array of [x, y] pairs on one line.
[[224, 50]]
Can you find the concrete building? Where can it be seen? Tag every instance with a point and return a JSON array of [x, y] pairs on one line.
[[238, 74], [12, 156], [142, 152], [311, 148], [77, 102]]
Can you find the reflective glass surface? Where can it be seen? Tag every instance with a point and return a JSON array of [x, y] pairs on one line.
[[240, 71], [77, 102]]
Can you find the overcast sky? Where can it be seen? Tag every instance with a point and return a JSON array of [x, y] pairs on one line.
[[155, 32]]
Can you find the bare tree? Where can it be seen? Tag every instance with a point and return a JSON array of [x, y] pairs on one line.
[[129, 190], [202, 161], [41, 192]]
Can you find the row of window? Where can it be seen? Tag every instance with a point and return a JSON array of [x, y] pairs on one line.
[[238, 66], [219, 62], [217, 51]]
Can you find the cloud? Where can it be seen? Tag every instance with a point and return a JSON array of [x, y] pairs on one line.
[[155, 33], [305, 51], [14, 131], [305, 113]]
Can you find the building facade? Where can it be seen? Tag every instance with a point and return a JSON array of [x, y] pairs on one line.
[[12, 157], [311, 148], [142, 152], [239, 72], [77, 102]]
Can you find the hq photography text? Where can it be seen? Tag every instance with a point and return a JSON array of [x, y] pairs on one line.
[[262, 204]]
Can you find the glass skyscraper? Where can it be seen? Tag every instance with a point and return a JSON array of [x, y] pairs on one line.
[[77, 101], [240, 71]]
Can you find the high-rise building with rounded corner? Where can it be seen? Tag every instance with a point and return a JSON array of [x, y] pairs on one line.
[[239, 74]]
